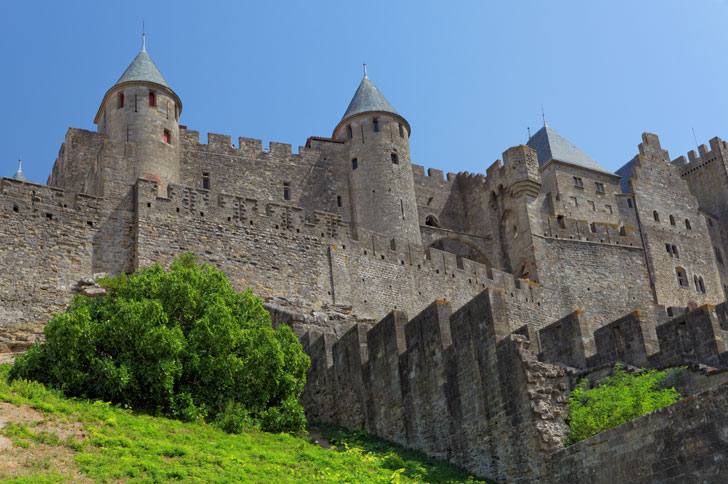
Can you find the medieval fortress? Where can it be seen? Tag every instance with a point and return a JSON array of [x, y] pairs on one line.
[[495, 291]]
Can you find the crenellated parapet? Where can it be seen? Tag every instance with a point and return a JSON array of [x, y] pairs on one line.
[[223, 144], [185, 202], [561, 227], [457, 385], [704, 157], [693, 338], [28, 199]]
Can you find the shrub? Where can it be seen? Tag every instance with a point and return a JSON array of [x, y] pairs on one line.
[[182, 344], [617, 399]]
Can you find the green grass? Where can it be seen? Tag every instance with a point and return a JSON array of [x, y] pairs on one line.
[[122, 446]]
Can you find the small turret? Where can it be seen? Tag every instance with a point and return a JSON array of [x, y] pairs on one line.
[[381, 184], [19, 174], [142, 109]]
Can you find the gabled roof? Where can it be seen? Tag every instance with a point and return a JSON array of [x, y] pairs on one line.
[[550, 145], [368, 98], [142, 68]]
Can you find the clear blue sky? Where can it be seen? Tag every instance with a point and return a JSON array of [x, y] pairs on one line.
[[469, 76]]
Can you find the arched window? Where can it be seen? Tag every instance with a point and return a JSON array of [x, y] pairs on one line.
[[656, 216], [687, 224], [672, 220], [152, 99], [431, 221], [682, 277]]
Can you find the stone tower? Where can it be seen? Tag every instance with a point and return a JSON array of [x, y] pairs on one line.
[[381, 185], [142, 109]]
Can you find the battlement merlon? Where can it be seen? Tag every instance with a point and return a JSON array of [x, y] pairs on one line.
[[33, 197], [223, 144], [694, 337], [184, 201], [695, 161], [606, 233]]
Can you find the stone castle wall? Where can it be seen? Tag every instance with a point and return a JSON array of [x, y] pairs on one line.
[[47, 240], [466, 387]]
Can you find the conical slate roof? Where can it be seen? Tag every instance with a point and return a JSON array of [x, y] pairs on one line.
[[142, 68], [550, 145], [19, 174], [368, 98]]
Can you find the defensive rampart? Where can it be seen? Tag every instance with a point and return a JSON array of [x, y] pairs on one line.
[[47, 239], [466, 387]]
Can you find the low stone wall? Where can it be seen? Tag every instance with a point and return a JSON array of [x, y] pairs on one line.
[[686, 442]]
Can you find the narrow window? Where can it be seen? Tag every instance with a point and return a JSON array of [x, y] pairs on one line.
[[206, 180], [710, 222], [672, 220], [166, 136], [656, 216], [574, 201], [578, 182], [702, 284], [695, 281], [600, 187], [687, 224], [674, 252], [152, 99], [349, 132], [395, 160], [354, 164], [135, 103], [591, 204], [401, 131], [338, 200], [401, 206], [682, 277], [121, 100], [375, 123], [286, 191], [629, 202], [718, 255], [669, 249]]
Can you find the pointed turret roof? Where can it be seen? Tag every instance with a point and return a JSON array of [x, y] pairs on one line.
[[367, 98], [550, 145], [19, 174], [142, 68]]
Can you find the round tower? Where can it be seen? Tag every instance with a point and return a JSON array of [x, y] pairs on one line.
[[142, 109], [381, 185]]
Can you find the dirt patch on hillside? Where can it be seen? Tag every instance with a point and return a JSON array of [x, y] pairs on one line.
[[18, 461]]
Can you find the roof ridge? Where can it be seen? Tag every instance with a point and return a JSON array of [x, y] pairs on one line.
[[550, 145]]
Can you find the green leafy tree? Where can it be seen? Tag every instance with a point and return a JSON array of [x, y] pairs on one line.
[[182, 344], [618, 399]]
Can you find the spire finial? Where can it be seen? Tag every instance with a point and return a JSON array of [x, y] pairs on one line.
[[543, 116], [365, 70], [20, 164], [144, 39]]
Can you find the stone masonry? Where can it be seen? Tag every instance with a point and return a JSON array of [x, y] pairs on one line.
[[546, 266]]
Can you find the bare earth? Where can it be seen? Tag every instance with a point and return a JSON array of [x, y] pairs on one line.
[[18, 461]]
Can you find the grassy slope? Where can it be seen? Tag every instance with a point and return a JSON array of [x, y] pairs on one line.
[[115, 445]]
